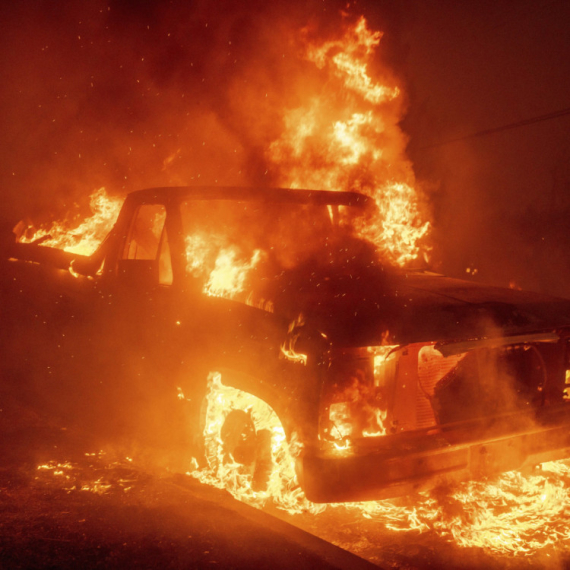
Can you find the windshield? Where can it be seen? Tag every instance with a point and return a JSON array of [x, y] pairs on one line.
[[230, 245]]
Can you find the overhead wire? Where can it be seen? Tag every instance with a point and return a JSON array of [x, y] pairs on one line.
[[539, 10], [516, 125]]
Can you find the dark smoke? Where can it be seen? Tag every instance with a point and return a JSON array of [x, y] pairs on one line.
[[499, 201], [129, 95]]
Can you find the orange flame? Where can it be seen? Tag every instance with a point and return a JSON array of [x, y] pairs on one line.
[[348, 58], [224, 267], [512, 515], [224, 471], [347, 138], [86, 237]]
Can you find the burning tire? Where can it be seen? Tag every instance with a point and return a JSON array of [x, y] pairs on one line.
[[245, 445], [248, 446]]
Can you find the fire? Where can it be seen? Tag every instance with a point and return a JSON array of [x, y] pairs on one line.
[[253, 479], [73, 474], [346, 137], [86, 237], [229, 274], [224, 269], [512, 515], [348, 58], [288, 347]]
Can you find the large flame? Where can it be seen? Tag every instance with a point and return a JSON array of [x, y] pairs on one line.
[[513, 514], [343, 136], [346, 137]]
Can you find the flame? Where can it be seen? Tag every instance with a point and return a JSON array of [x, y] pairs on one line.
[[512, 515], [224, 471], [229, 275], [224, 269], [288, 347], [73, 475], [288, 352], [86, 237], [348, 56], [346, 137]]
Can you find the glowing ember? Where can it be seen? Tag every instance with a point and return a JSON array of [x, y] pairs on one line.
[[86, 237], [103, 480], [514, 514]]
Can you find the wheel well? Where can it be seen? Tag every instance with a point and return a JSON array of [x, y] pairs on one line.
[[261, 390]]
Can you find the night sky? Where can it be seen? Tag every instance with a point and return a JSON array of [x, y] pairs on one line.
[[135, 94]]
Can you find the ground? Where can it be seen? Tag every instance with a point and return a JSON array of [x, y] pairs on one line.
[[66, 504]]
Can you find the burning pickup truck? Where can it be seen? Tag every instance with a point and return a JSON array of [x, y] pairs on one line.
[[383, 381]]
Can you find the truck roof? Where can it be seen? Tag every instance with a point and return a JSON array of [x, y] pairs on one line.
[[258, 193]]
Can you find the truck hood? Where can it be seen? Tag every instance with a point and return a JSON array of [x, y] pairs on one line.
[[360, 308]]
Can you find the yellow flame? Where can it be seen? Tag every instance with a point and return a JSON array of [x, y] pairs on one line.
[[348, 60], [400, 230], [346, 137], [511, 515], [223, 269], [229, 275], [223, 472]]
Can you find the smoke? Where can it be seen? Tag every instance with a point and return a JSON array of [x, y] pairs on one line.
[[126, 95], [498, 200], [129, 95]]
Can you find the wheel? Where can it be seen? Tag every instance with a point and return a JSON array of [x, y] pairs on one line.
[[244, 443]]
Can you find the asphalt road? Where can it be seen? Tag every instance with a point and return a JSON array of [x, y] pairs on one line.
[[63, 506]]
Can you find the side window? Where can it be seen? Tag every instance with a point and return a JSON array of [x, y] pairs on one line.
[[147, 252], [164, 262], [146, 230]]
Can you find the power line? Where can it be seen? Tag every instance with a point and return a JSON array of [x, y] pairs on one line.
[[523, 123]]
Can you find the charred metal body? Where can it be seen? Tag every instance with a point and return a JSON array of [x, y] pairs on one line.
[[393, 381]]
